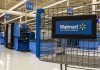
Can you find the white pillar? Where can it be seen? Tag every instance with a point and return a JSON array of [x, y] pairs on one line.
[[67, 2], [94, 6]]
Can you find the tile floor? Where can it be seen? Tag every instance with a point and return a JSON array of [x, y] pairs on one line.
[[14, 60]]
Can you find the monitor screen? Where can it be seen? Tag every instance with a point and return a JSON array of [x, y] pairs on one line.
[[82, 26]]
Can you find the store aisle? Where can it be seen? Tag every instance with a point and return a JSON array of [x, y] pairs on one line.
[[14, 60]]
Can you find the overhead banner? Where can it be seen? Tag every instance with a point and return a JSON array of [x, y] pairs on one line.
[[83, 26]]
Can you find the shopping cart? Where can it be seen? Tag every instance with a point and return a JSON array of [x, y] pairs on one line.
[[69, 51]]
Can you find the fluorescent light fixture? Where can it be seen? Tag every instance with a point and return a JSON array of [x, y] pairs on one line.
[[55, 4], [16, 6], [18, 13]]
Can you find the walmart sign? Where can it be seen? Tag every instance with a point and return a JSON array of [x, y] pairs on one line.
[[74, 26]]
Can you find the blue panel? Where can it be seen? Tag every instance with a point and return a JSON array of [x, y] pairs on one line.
[[0, 37], [40, 10], [81, 44], [23, 46], [2, 40], [49, 47], [29, 5], [98, 20], [31, 36], [16, 43], [1, 34], [16, 29], [88, 45], [38, 22], [98, 42], [70, 10], [80, 27], [98, 35], [32, 47]]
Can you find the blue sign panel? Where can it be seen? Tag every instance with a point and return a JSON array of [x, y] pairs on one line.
[[7, 17], [98, 20], [69, 10], [74, 27], [29, 5]]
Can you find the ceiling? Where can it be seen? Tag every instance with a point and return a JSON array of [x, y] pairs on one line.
[[7, 4]]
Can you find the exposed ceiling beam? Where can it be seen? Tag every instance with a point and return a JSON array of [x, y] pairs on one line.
[[16, 6], [17, 13]]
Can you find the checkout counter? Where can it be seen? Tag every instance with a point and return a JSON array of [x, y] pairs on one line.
[[46, 46]]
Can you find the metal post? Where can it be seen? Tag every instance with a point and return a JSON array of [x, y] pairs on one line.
[[61, 67], [65, 66]]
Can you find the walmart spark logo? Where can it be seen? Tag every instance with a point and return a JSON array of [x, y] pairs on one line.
[[77, 27], [82, 26]]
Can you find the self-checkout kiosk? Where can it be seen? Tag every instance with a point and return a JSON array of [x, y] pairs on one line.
[[23, 38]]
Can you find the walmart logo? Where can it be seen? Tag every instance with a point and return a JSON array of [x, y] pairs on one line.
[[82, 26], [77, 27]]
